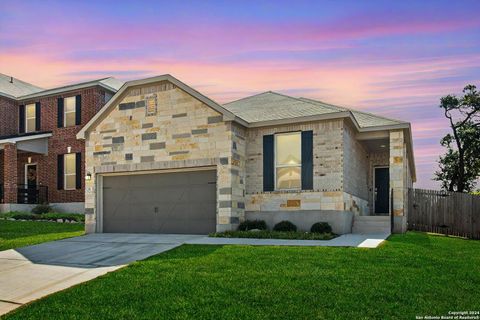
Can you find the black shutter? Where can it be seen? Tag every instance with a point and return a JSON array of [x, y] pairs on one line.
[[307, 160], [21, 119], [78, 170], [78, 110], [37, 116], [60, 172], [60, 112], [268, 163]]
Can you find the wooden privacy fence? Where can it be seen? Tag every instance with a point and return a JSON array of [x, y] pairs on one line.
[[451, 213]]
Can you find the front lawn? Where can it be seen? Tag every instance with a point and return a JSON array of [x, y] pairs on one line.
[[412, 274], [14, 234]]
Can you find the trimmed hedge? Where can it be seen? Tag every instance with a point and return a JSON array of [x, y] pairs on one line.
[[252, 224], [321, 227], [265, 234], [285, 226], [44, 216]]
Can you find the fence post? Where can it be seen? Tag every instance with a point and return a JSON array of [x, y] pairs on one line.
[[391, 212]]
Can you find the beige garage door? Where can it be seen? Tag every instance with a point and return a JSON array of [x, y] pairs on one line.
[[179, 202]]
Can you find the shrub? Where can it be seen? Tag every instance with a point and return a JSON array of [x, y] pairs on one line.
[[285, 226], [252, 224], [42, 208], [321, 227]]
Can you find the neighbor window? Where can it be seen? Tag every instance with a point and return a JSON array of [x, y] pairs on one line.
[[70, 171], [69, 112], [30, 117], [288, 160]]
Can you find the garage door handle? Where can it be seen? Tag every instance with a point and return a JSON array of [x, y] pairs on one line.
[[214, 182], [155, 209]]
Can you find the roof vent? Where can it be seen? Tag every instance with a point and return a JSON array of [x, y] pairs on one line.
[[11, 79]]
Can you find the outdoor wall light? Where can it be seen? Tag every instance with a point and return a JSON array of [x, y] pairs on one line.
[[88, 176], [69, 149], [29, 159]]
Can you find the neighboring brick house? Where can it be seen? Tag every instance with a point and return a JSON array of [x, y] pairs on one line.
[[40, 158], [163, 158]]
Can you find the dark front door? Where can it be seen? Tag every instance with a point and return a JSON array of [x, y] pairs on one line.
[[179, 202], [29, 192], [31, 176], [381, 190]]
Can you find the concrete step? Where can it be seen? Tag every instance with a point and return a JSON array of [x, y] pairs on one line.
[[371, 224]]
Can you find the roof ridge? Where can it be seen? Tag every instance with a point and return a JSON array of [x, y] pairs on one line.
[[247, 97]]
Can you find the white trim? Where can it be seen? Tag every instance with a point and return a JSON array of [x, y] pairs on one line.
[[275, 166], [373, 188], [25, 138], [25, 173]]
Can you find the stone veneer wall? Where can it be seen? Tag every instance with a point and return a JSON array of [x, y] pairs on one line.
[[184, 133], [356, 170], [327, 193]]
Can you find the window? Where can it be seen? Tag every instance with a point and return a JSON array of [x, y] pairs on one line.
[[288, 161], [69, 112], [30, 117], [70, 171]]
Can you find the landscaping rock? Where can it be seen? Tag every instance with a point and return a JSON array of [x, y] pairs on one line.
[[60, 220], [254, 230]]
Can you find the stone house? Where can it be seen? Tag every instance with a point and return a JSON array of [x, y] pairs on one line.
[[41, 159], [163, 158]]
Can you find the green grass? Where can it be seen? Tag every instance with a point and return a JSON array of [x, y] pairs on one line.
[[267, 234], [14, 234], [412, 274]]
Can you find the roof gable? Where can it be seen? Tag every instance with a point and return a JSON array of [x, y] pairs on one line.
[[108, 107]]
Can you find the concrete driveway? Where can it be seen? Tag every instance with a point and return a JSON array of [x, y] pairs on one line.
[[29, 273]]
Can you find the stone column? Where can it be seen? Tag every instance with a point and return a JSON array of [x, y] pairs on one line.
[[10, 173], [397, 179]]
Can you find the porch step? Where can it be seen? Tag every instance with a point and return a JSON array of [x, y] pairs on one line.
[[371, 224]]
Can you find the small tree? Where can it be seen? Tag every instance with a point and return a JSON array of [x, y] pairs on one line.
[[459, 168]]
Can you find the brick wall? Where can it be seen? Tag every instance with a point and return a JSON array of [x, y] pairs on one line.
[[8, 117], [92, 101]]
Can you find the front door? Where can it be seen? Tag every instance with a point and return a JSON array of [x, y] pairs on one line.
[[30, 188], [381, 190], [31, 176]]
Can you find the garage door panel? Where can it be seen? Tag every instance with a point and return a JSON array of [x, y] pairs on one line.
[[182, 202]]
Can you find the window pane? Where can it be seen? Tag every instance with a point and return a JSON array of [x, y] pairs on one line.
[[70, 164], [288, 149], [70, 182], [69, 104], [30, 110], [30, 125], [289, 178], [69, 119]]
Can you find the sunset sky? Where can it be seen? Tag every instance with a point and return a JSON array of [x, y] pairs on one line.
[[394, 58]]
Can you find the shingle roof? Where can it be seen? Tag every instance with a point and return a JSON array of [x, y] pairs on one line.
[[270, 106], [364, 119], [13, 87], [110, 83]]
